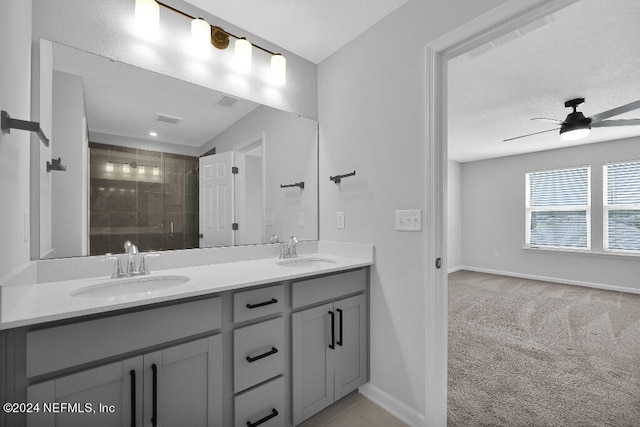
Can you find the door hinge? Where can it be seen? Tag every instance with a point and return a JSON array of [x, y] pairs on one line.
[[234, 226], [234, 170]]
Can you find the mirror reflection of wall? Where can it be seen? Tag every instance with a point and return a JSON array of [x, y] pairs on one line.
[[148, 197], [138, 120]]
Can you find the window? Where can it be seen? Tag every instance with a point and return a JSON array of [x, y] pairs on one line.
[[622, 206], [558, 208]]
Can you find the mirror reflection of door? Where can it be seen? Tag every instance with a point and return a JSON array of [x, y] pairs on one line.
[[216, 200], [249, 191]]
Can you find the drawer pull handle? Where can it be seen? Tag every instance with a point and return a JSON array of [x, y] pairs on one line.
[[154, 393], [332, 346], [339, 310], [262, 304], [132, 373], [273, 414], [260, 356]]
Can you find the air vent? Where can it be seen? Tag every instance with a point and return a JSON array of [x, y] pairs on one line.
[[227, 101], [165, 118]]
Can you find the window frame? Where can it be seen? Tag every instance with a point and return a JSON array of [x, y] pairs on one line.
[[606, 208], [529, 210]]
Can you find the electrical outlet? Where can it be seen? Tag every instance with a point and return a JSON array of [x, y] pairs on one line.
[[269, 220], [409, 220], [300, 219], [340, 220]]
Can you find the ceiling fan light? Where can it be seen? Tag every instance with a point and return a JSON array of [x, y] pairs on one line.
[[573, 133]]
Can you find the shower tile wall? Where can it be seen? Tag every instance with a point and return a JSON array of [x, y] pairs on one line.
[[154, 203]]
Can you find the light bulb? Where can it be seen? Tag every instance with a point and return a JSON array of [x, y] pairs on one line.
[[575, 134], [147, 16], [278, 69], [243, 55], [140, 170], [109, 167], [125, 168], [201, 38], [156, 170]]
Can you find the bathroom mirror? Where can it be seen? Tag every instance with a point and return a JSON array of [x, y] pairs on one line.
[[168, 164]]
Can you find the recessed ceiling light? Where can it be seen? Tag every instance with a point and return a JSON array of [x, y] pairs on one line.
[[153, 134]]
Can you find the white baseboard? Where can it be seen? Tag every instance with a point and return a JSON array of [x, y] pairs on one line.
[[454, 269], [392, 405], [555, 280]]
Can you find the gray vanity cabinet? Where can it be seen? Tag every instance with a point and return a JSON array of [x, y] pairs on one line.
[[180, 385], [117, 386], [329, 344]]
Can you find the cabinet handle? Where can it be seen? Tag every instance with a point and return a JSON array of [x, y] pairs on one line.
[[332, 346], [339, 310], [260, 356], [261, 304], [273, 413], [132, 374], [154, 394]]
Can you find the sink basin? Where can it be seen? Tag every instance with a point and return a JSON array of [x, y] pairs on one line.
[[306, 262], [130, 286]]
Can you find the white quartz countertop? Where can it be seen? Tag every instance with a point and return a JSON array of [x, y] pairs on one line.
[[44, 302]]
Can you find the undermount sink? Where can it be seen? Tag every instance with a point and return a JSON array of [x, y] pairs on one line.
[[130, 286], [306, 262]]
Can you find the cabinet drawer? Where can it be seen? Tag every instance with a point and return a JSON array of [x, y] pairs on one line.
[[258, 353], [263, 403], [257, 303], [61, 347], [312, 291]]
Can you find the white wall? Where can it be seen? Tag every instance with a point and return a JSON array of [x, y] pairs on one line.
[[454, 215], [290, 153], [493, 209], [69, 189], [371, 109], [15, 89], [106, 28]]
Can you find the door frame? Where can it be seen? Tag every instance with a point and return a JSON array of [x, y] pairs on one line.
[[243, 147], [498, 21]]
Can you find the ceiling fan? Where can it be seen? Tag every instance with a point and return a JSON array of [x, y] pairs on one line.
[[577, 126]]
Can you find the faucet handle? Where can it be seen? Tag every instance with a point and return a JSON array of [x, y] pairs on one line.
[[117, 268], [144, 269]]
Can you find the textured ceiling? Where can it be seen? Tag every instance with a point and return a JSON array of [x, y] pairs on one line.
[[590, 49], [311, 29]]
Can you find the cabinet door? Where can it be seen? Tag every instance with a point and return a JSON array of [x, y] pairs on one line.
[[312, 361], [351, 359], [183, 385], [108, 396]]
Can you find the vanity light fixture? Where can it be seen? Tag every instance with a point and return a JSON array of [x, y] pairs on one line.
[[203, 35], [147, 17], [140, 170], [156, 170], [243, 50], [109, 167], [126, 168]]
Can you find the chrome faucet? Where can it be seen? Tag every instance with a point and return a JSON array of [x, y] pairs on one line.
[[289, 249], [131, 250]]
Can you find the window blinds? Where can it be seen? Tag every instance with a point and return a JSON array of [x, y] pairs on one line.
[[558, 209], [622, 206]]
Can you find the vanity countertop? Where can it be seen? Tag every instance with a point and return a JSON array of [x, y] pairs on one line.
[[31, 304]]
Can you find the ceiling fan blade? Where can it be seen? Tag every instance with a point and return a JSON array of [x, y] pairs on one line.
[[544, 119], [619, 122], [531, 134], [615, 112]]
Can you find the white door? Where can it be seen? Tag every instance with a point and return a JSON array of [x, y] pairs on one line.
[[216, 200]]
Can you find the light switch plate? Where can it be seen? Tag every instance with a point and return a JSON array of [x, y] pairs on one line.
[[269, 220], [340, 220], [300, 219], [409, 220]]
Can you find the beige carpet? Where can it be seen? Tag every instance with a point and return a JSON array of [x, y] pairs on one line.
[[531, 353]]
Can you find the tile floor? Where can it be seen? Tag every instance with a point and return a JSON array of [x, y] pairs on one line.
[[354, 410]]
